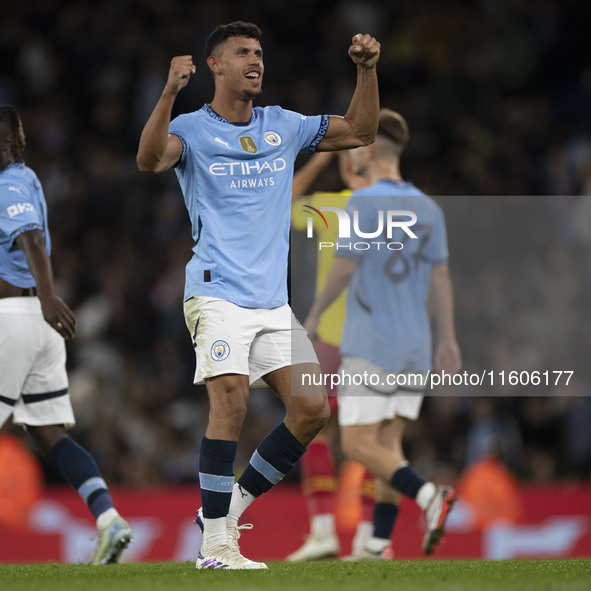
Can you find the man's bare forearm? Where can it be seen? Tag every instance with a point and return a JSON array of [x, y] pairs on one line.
[[157, 150], [55, 311], [363, 111], [338, 278], [442, 295], [154, 138], [359, 125], [308, 173]]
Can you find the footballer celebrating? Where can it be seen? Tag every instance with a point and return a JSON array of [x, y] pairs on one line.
[[234, 163]]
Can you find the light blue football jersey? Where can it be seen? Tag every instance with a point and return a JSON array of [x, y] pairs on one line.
[[237, 183], [22, 208], [387, 321]]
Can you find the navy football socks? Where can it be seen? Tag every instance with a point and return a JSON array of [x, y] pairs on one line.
[[384, 517], [407, 481], [216, 476], [272, 460], [80, 471]]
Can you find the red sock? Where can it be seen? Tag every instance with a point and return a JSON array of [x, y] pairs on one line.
[[368, 496], [318, 479]]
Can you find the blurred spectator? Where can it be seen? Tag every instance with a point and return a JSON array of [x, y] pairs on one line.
[[21, 482], [491, 493]]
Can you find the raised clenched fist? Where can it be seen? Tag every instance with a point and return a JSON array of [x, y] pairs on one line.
[[364, 50], [181, 69]]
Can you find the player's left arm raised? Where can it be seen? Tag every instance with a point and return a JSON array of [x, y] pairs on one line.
[[359, 125]]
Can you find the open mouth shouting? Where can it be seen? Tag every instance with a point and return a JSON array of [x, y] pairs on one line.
[[254, 75]]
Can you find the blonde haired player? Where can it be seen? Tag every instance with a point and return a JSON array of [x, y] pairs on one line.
[[387, 331]]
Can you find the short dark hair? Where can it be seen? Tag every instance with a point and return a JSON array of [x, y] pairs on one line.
[[10, 118], [393, 127], [235, 29]]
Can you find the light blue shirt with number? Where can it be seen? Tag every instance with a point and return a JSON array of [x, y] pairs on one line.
[[22, 208], [237, 183], [387, 321]]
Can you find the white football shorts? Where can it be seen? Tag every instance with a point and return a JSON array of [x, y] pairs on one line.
[[369, 394], [248, 341], [33, 378]]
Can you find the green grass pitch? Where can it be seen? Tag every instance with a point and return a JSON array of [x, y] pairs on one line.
[[476, 575]]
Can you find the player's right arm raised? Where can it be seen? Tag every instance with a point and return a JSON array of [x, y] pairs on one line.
[[159, 150]]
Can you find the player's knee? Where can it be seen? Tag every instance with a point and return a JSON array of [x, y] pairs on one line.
[[45, 437], [398, 456], [228, 407], [237, 413], [313, 414], [321, 414], [231, 414]]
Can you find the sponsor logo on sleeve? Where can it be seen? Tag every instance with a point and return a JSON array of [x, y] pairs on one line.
[[18, 208]]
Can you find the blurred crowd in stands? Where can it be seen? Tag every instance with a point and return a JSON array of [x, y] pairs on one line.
[[497, 94]]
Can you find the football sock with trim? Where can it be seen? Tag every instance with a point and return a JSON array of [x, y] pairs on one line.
[[216, 479], [384, 518], [80, 470], [407, 481], [216, 476], [272, 460]]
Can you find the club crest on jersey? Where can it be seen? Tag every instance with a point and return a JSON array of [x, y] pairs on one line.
[[220, 350], [272, 138], [248, 144]]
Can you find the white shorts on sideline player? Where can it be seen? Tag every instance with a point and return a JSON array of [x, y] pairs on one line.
[[33, 378], [365, 404], [248, 341]]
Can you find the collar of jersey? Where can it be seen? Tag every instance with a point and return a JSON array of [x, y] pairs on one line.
[[15, 164], [401, 183], [217, 117]]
